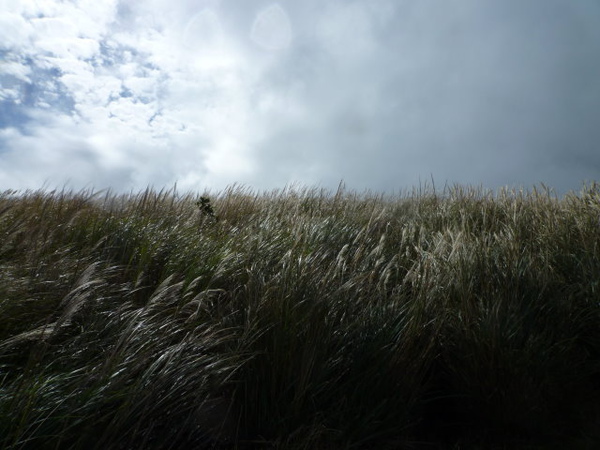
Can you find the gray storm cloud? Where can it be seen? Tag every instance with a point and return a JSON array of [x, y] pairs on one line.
[[492, 93]]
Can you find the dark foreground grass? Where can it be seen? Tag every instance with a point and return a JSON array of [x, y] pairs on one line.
[[300, 319]]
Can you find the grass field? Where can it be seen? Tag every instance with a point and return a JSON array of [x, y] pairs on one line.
[[300, 319]]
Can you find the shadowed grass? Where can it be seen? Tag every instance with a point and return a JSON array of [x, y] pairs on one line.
[[300, 319]]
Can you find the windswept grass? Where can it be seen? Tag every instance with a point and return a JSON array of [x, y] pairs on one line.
[[300, 319]]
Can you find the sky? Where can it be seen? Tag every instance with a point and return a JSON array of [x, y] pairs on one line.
[[382, 95]]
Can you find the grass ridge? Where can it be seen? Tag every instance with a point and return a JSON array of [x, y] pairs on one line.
[[300, 318]]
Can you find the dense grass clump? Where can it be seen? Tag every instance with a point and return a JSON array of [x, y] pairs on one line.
[[300, 319]]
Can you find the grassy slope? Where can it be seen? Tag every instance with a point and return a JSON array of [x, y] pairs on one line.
[[300, 319]]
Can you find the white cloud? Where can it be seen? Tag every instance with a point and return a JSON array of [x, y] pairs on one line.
[[16, 69], [142, 97], [14, 30]]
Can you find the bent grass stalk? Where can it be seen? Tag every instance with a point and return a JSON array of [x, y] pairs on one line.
[[299, 319]]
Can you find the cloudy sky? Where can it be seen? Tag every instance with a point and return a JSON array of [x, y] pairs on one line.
[[382, 94]]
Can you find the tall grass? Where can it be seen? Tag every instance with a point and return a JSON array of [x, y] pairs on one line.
[[300, 319]]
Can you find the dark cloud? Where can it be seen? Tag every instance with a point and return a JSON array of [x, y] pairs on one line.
[[485, 92]]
